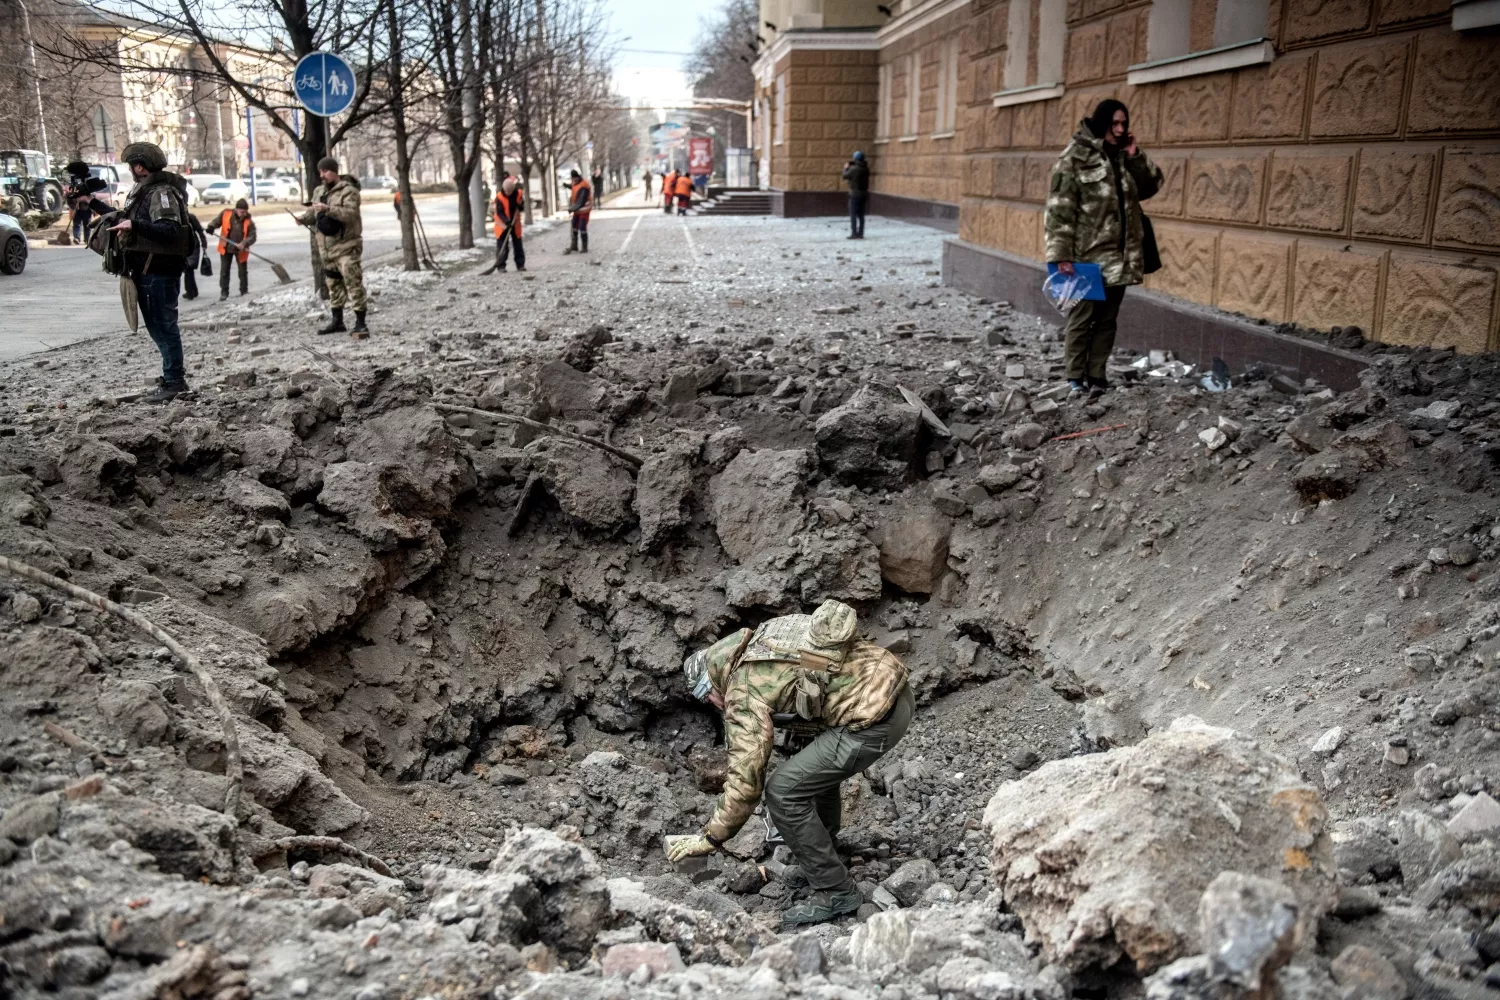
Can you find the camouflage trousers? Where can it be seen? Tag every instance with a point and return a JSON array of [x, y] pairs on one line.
[[346, 282], [802, 795], [1090, 335]]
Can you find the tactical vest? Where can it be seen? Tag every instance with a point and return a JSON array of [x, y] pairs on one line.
[[137, 241]]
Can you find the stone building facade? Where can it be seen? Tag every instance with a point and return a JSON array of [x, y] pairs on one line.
[[1328, 162]]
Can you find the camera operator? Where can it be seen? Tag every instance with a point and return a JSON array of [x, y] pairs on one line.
[[153, 231], [79, 192]]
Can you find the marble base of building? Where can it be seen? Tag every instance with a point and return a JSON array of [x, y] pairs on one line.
[[1149, 321], [806, 204]]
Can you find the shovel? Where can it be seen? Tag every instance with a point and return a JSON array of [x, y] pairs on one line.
[[504, 242], [277, 269]]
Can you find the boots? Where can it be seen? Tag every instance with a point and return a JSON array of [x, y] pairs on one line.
[[573, 243], [584, 239], [359, 322], [336, 325]]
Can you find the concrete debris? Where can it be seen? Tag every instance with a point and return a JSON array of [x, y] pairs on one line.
[[454, 644], [1094, 900]]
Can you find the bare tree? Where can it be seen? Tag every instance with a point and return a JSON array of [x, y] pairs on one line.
[[719, 65]]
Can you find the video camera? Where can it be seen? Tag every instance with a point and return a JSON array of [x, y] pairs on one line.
[[81, 184]]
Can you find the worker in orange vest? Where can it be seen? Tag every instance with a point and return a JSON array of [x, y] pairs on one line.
[[669, 189], [396, 203], [580, 202], [684, 188], [507, 213], [236, 226]]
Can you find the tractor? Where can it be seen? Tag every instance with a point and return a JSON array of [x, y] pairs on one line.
[[26, 183]]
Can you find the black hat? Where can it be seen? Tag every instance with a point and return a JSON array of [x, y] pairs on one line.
[[329, 163]]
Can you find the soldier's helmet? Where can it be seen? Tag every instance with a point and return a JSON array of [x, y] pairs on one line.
[[147, 154], [832, 625]]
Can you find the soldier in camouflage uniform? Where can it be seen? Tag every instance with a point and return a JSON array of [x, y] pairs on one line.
[[816, 667], [1094, 216], [335, 218]]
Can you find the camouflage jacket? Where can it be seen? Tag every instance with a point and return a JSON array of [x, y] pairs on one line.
[[860, 692], [1083, 211], [342, 200]]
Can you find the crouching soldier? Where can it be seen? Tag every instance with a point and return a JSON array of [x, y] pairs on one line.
[[335, 217], [811, 668]]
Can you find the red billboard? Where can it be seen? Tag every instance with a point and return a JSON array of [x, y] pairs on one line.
[[700, 155]]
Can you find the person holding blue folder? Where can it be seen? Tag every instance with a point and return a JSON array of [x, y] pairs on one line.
[[1094, 226]]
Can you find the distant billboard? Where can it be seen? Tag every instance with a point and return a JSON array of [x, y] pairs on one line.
[[700, 155]]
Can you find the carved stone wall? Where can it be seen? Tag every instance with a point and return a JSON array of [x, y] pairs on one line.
[[830, 112], [1354, 180]]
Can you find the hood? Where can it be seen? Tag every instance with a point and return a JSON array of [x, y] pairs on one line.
[[1085, 136], [350, 180]]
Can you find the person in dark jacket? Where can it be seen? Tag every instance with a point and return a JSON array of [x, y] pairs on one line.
[[194, 258], [1094, 216], [857, 175], [155, 236]]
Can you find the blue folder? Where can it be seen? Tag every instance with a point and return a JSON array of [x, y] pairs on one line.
[[1092, 278]]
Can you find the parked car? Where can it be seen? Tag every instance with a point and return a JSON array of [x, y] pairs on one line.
[[277, 189], [383, 182], [225, 192], [13, 246], [201, 181], [117, 176]]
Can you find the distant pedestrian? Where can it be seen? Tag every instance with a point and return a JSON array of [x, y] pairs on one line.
[[237, 227], [506, 209], [596, 184], [194, 258], [857, 175], [684, 189], [669, 189], [646, 179], [580, 203], [396, 202], [1094, 216]]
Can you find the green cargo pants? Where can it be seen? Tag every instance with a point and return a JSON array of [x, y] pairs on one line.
[[802, 795], [1090, 334]]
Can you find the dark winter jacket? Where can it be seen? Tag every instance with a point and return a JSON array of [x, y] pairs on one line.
[[160, 237], [858, 176]]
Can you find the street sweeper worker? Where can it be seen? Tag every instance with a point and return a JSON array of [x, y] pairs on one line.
[[817, 669]]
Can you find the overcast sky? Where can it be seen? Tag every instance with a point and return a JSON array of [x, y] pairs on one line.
[[660, 28]]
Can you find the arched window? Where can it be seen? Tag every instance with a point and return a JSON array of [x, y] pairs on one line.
[[104, 130]]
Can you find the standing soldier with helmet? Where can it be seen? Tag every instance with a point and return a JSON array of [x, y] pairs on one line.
[[334, 214], [153, 232]]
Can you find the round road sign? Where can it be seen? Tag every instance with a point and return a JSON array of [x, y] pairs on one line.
[[324, 83]]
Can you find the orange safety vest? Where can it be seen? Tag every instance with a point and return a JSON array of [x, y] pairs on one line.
[[225, 218], [588, 203], [507, 206], [667, 183], [684, 186]]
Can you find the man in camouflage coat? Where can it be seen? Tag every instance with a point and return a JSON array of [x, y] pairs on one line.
[[1094, 216], [816, 667], [335, 217]]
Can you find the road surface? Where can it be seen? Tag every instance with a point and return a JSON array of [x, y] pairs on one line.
[[63, 296]]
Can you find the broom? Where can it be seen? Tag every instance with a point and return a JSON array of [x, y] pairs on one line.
[[277, 269]]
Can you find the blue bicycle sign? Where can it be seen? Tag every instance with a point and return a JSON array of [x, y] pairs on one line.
[[324, 83]]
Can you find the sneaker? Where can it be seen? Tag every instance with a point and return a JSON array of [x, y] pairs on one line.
[[165, 392], [1076, 387], [823, 906]]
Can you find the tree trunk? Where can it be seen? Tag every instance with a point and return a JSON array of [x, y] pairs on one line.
[[402, 140]]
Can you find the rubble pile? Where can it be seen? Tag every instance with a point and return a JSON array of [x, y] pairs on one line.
[[453, 642]]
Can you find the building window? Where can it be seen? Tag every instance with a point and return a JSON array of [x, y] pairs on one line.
[[883, 103], [947, 103], [779, 126], [1189, 37], [913, 95], [104, 130], [1036, 36]]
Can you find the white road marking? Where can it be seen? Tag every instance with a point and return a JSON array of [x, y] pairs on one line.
[[693, 247], [630, 235]]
